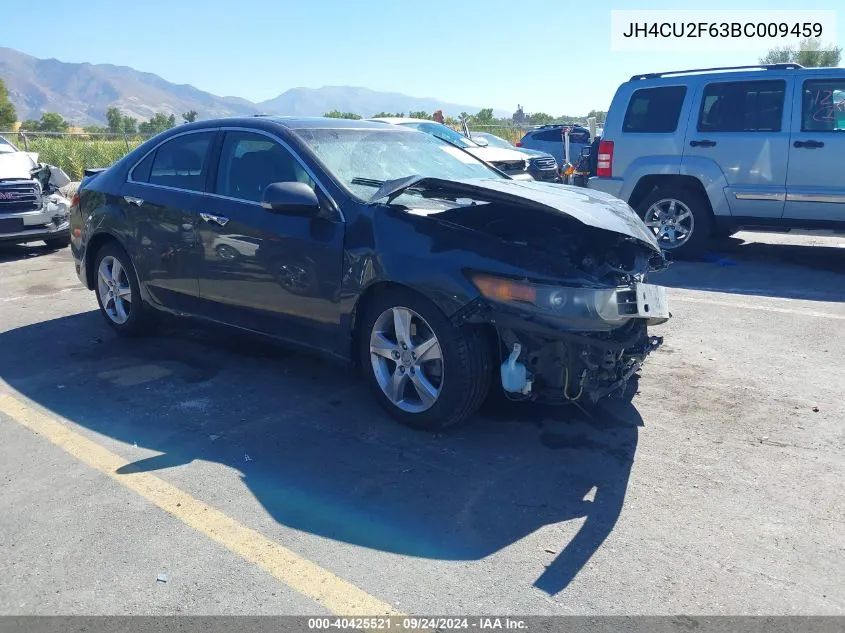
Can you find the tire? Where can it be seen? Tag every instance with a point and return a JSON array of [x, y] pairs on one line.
[[140, 317], [465, 365], [701, 225], [58, 242]]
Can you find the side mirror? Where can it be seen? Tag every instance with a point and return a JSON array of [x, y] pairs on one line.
[[586, 151], [480, 141], [294, 198]]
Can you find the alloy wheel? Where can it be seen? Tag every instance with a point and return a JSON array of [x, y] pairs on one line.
[[671, 221], [407, 359], [114, 289]]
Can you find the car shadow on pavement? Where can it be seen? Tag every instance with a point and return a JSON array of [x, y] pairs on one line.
[[791, 271], [320, 457], [13, 252]]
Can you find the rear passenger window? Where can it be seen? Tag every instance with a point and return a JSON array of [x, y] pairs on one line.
[[823, 106], [742, 106], [249, 162], [553, 135], [182, 162], [654, 109]]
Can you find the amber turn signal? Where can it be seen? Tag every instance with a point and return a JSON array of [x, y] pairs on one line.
[[499, 289]]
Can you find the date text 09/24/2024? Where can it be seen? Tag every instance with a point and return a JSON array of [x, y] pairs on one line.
[[417, 624]]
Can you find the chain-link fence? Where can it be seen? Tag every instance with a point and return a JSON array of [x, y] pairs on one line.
[[75, 152]]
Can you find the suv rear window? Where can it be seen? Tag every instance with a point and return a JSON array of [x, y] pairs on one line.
[[654, 109], [742, 106], [823, 106]]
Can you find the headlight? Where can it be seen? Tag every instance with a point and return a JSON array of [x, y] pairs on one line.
[[527, 164], [568, 302]]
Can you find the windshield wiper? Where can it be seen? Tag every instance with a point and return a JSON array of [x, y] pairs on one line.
[[367, 182]]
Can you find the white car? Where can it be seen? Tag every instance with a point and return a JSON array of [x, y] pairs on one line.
[[512, 162]]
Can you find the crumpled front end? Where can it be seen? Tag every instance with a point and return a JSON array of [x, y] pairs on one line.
[[31, 204], [572, 342]]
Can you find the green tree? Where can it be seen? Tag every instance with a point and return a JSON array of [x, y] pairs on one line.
[[540, 118], [49, 122], [337, 114], [158, 123], [190, 116], [120, 124], [129, 125], [484, 117], [53, 122], [387, 115], [419, 114], [8, 116], [600, 115], [809, 53], [115, 120]]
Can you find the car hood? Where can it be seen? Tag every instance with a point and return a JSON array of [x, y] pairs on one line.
[[495, 154], [592, 208], [17, 165], [534, 153]]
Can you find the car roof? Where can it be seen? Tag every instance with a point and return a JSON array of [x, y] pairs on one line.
[[738, 73], [396, 120], [290, 122]]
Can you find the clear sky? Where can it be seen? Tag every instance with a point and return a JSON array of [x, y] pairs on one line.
[[550, 56]]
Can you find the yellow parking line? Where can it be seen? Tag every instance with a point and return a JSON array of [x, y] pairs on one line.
[[300, 574]]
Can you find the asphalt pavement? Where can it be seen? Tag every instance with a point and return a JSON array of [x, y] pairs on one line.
[[201, 471]]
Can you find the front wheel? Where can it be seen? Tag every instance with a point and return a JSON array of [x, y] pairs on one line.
[[424, 371], [680, 220]]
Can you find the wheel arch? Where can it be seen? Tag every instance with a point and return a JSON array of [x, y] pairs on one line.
[[95, 243]]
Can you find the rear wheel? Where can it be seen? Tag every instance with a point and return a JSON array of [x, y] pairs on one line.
[[423, 370], [118, 292], [680, 220]]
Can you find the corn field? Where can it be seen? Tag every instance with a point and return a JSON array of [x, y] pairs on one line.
[[74, 153]]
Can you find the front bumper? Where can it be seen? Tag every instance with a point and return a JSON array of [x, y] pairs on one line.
[[545, 175], [558, 359], [52, 221]]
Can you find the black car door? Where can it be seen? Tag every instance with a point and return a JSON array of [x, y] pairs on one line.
[[265, 271], [162, 200]]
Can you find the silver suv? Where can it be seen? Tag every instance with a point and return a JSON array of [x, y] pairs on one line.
[[702, 153]]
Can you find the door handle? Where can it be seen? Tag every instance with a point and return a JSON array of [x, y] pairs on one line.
[[137, 202], [808, 144], [215, 219], [704, 143]]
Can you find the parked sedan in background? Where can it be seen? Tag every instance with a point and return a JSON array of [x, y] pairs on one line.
[[515, 164], [380, 245], [541, 165]]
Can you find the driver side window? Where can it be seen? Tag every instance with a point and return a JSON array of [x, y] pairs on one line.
[[249, 162]]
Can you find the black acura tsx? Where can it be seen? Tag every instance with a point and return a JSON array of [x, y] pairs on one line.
[[384, 246]]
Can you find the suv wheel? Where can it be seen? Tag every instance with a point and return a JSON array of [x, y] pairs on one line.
[[679, 219], [423, 370]]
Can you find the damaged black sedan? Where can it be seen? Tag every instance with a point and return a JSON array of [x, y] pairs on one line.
[[439, 275]]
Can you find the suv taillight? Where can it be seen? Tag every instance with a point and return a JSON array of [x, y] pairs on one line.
[[519, 143], [604, 165]]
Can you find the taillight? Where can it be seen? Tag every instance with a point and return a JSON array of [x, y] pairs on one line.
[[519, 143], [604, 165], [75, 200]]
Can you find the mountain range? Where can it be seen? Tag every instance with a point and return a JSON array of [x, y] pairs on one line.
[[81, 93]]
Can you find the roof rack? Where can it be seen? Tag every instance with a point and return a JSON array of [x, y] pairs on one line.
[[707, 70]]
